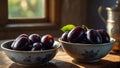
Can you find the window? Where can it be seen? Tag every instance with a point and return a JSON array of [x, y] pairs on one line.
[[28, 11], [19, 9], [27, 16]]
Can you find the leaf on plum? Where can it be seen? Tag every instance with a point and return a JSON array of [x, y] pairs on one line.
[[67, 27]]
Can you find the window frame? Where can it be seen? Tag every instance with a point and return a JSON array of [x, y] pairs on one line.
[[52, 16], [11, 31]]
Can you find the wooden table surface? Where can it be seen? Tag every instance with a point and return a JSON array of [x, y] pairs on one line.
[[62, 60]]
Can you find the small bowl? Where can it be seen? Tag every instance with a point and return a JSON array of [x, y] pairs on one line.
[[30, 57], [86, 52]]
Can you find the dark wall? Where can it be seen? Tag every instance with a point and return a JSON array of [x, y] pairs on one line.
[[73, 12]]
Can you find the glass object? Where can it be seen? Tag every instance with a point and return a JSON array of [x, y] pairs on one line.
[[22, 9]]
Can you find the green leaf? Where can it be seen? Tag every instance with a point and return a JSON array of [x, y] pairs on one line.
[[67, 27]]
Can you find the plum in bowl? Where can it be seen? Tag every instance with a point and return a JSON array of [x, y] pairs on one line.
[[86, 52], [29, 57], [86, 45]]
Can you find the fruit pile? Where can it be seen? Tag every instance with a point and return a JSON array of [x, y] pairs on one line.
[[33, 42], [81, 34]]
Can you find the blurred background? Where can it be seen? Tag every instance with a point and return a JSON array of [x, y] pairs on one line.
[[26, 8], [77, 12]]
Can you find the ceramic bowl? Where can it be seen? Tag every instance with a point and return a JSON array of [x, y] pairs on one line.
[[30, 57], [87, 52]]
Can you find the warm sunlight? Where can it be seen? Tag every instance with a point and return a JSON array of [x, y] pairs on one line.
[[26, 9], [24, 5]]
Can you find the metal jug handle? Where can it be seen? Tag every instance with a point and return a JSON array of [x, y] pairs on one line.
[[100, 9]]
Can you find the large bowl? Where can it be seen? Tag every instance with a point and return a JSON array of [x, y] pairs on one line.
[[87, 52], [30, 57]]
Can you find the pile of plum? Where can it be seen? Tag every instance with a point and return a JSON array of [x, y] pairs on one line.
[[80, 34], [33, 42]]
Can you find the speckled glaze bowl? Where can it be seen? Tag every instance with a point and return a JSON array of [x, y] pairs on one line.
[[86, 52], [30, 57]]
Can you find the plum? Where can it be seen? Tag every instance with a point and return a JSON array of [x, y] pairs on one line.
[[36, 46], [93, 36], [21, 44], [47, 41], [64, 36], [104, 35], [34, 38], [76, 34]]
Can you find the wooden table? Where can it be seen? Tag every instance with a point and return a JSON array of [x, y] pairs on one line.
[[62, 60]]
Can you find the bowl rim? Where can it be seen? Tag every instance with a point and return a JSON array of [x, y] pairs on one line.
[[81, 44], [7, 49]]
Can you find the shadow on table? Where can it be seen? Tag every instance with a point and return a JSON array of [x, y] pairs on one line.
[[115, 53], [101, 64], [52, 64]]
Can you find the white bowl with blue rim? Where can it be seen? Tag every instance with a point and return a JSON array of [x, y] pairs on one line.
[[87, 52], [30, 57]]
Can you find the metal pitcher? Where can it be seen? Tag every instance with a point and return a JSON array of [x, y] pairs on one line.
[[112, 22]]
